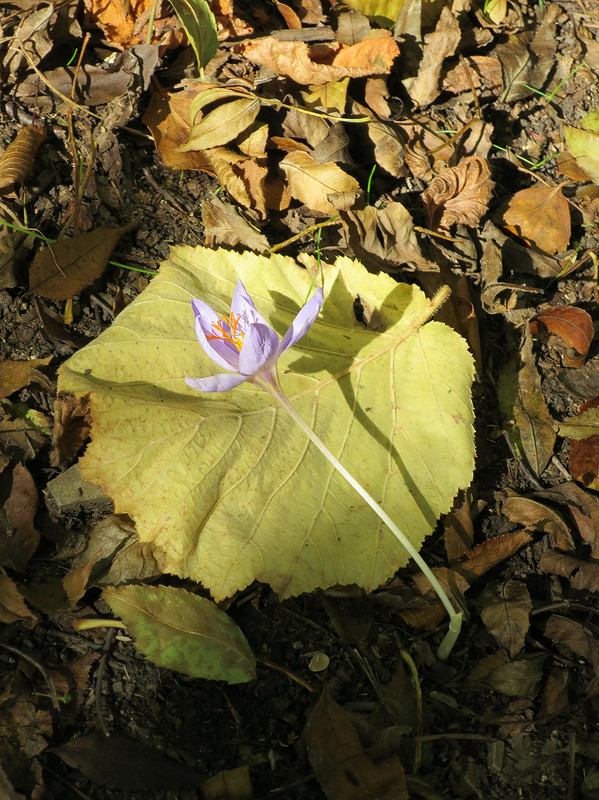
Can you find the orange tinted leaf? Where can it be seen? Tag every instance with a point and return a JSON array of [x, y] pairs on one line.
[[324, 63], [65, 268], [126, 24], [573, 325], [460, 194], [541, 215]]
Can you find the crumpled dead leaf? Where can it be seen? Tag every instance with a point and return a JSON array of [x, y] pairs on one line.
[[126, 24], [383, 238], [224, 225], [573, 325], [322, 63], [505, 608], [581, 574], [460, 194], [584, 454], [241, 176]]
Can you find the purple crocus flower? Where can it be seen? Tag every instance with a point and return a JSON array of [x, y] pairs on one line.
[[244, 342]]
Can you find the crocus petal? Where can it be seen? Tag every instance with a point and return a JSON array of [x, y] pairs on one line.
[[243, 306], [260, 344], [303, 321], [216, 383], [222, 353]]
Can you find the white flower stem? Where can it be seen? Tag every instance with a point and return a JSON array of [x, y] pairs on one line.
[[455, 618]]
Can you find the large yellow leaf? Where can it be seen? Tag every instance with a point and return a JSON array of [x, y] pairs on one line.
[[227, 485], [318, 185]]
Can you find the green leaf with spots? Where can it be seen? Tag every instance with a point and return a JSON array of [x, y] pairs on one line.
[[226, 485], [180, 630]]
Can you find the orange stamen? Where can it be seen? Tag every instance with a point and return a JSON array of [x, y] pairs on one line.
[[234, 335]]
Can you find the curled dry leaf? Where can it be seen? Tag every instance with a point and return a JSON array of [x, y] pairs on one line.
[[535, 516], [16, 163], [571, 636], [472, 73], [322, 63], [14, 375], [573, 325], [226, 22], [65, 268], [520, 678], [540, 215], [460, 194], [313, 183], [584, 454]]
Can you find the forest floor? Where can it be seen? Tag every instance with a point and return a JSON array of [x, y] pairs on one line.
[[479, 122]]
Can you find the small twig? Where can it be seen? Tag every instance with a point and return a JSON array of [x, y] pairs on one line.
[[292, 675]]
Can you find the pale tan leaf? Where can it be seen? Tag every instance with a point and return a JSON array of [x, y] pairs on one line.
[[252, 142], [312, 183], [14, 375], [330, 97], [460, 194], [222, 125]]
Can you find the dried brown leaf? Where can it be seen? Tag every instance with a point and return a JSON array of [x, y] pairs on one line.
[[382, 238], [14, 375], [18, 537], [472, 73], [321, 63], [573, 325], [571, 636], [438, 45], [227, 23], [555, 696], [291, 18], [335, 748], [64, 269], [126, 24], [242, 177], [460, 194], [121, 763], [72, 425], [520, 678], [505, 610], [581, 574], [458, 530], [230, 784], [313, 183], [540, 215], [536, 516], [16, 163], [533, 421]]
